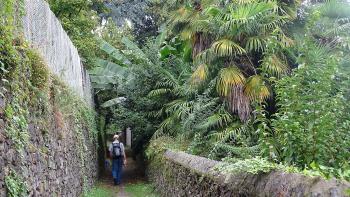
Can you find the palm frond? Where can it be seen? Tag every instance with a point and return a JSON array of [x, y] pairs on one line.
[[180, 106], [340, 26], [200, 25], [205, 57], [212, 11], [274, 65], [163, 127], [335, 9], [158, 92], [167, 79], [255, 43], [155, 114], [246, 13], [187, 34], [244, 1], [168, 126], [228, 78], [182, 15], [284, 40], [270, 23], [226, 47], [255, 89], [200, 74]]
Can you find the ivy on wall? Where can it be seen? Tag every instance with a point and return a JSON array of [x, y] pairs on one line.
[[80, 117], [15, 185], [32, 95]]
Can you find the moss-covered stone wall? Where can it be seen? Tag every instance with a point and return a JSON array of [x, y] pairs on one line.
[[47, 132], [181, 174]]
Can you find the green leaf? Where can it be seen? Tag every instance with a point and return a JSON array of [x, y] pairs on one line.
[[113, 52], [113, 102]]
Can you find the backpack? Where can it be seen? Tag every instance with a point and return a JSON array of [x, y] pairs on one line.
[[116, 151]]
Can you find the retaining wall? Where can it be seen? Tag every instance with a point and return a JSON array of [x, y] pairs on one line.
[[61, 157], [188, 175]]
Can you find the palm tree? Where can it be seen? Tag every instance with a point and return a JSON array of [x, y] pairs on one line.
[[241, 43]]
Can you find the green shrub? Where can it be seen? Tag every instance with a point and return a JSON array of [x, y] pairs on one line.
[[312, 124], [15, 185], [39, 72]]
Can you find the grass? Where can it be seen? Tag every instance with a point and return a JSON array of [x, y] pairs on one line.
[[133, 190], [101, 190], [140, 190]]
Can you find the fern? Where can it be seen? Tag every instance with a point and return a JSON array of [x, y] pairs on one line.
[[217, 120], [233, 131], [158, 92]]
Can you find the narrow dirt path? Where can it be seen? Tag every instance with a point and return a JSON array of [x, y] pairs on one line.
[[131, 174]]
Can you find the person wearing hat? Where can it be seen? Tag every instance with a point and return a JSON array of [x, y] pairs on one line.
[[117, 153]]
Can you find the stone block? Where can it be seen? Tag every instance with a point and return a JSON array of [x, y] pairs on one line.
[[2, 105], [2, 147], [10, 155], [2, 128]]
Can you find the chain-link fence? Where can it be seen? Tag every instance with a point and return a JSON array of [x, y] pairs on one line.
[[45, 33]]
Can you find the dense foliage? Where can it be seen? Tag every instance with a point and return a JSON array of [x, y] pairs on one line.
[[240, 79], [248, 81], [312, 124]]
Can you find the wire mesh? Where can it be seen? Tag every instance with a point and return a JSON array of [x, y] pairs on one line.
[[45, 33]]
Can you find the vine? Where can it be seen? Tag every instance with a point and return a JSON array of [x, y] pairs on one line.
[[16, 187], [17, 125], [82, 119], [16, 110], [32, 96]]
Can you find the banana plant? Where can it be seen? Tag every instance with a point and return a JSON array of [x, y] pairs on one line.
[[117, 68]]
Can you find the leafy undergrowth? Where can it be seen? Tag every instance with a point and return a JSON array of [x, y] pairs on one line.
[[140, 190], [262, 165]]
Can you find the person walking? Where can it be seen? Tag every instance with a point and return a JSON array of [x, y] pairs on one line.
[[117, 153]]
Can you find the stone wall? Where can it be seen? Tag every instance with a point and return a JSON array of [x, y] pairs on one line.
[[60, 156], [51, 164], [45, 33], [47, 131], [182, 174]]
